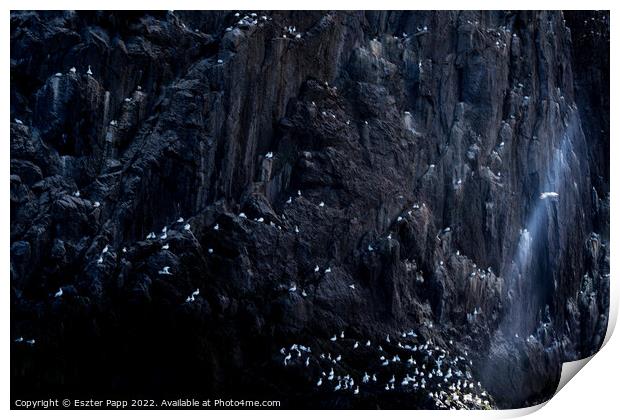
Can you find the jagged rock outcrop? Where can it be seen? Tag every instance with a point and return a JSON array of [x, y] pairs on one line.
[[404, 154]]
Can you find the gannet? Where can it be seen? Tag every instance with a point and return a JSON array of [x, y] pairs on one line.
[[338, 358], [180, 220], [328, 270], [18, 121], [366, 378], [341, 334], [127, 99], [269, 155], [356, 345], [287, 358], [58, 74], [387, 338], [19, 340], [96, 204], [296, 229], [316, 269], [370, 248], [357, 390], [165, 271], [105, 249], [31, 341], [124, 249], [76, 194], [196, 292], [100, 260], [220, 61], [290, 200], [368, 343], [334, 338], [307, 361], [374, 377], [399, 219], [321, 204], [352, 286], [58, 293], [89, 71], [242, 215], [72, 70], [387, 362], [292, 289], [216, 227], [338, 387], [113, 123], [320, 382], [303, 293], [260, 220], [186, 227], [165, 246]]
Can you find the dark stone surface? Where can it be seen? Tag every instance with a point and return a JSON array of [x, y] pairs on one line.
[[461, 125]]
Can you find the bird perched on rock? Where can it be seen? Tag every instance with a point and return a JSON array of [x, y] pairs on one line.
[[165, 271], [89, 71], [58, 293]]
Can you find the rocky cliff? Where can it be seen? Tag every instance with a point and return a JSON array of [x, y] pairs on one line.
[[219, 204]]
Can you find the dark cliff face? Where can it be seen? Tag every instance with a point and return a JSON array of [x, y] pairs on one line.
[[404, 154]]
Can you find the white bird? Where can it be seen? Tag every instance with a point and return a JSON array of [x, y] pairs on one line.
[[31, 341], [180, 220], [290, 200], [357, 390], [328, 270], [96, 204], [316, 269], [387, 338], [303, 293], [392, 379], [338, 387], [216, 227], [89, 71], [287, 358], [292, 289], [356, 345], [370, 248], [105, 249], [196, 292], [124, 249], [321, 204], [331, 375], [368, 343], [164, 236], [165, 246], [220, 61], [298, 193], [320, 382], [334, 338], [165, 271], [296, 229], [190, 299], [76, 194], [210, 250], [186, 227], [100, 260], [150, 235], [113, 123], [19, 340], [58, 293], [260, 220], [242, 215], [387, 362], [341, 334], [18, 121], [307, 361], [549, 195], [72, 70], [269, 155]]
